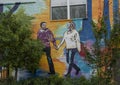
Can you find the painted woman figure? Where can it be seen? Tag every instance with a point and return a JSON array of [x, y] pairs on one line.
[[72, 41]]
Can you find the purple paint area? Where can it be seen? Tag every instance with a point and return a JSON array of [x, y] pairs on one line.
[[1, 8], [46, 36]]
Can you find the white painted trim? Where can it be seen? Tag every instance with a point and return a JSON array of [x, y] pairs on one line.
[[58, 3], [68, 9], [86, 9]]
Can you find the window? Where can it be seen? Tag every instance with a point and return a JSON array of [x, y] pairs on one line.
[[68, 9], [59, 12], [16, 1]]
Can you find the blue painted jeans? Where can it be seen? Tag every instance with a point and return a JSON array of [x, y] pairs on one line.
[[70, 54], [47, 50]]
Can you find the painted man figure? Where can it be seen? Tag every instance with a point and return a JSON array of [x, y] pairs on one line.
[[46, 36], [72, 40]]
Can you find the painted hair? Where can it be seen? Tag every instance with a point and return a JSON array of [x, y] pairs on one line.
[[71, 24], [41, 23]]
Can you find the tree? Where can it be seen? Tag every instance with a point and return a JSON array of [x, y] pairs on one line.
[[105, 51], [17, 47], [115, 39]]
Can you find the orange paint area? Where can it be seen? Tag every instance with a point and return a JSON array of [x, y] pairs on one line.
[[97, 10]]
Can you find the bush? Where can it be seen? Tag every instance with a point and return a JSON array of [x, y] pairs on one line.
[[17, 47], [56, 80]]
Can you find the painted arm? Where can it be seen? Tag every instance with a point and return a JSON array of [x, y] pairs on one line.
[[78, 41], [61, 43], [51, 38]]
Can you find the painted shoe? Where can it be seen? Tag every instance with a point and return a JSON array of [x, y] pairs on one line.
[[77, 72]]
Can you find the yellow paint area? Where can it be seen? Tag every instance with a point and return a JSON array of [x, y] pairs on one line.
[[60, 67], [52, 25], [111, 12], [97, 10]]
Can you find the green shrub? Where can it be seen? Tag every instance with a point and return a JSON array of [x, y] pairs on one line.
[[56, 80]]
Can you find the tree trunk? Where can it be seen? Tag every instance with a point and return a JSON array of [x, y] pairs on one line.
[[8, 71], [16, 72]]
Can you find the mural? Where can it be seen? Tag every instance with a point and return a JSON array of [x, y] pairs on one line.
[[41, 11], [115, 11]]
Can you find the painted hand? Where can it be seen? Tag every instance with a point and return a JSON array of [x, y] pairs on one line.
[[56, 47]]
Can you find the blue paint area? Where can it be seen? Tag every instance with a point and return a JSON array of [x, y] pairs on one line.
[[6, 7], [87, 33], [60, 31], [107, 17], [35, 8], [1, 8], [85, 68], [30, 9], [78, 24], [0, 68], [25, 74], [116, 11]]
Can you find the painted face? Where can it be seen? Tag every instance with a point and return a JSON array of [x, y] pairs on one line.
[[44, 25], [70, 26]]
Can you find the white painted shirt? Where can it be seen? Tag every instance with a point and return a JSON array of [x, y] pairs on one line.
[[71, 39]]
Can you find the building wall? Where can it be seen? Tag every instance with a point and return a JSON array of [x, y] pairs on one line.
[[41, 11]]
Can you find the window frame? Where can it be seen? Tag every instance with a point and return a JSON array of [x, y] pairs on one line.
[[68, 11]]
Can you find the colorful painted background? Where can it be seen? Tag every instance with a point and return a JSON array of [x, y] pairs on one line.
[[95, 9]]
